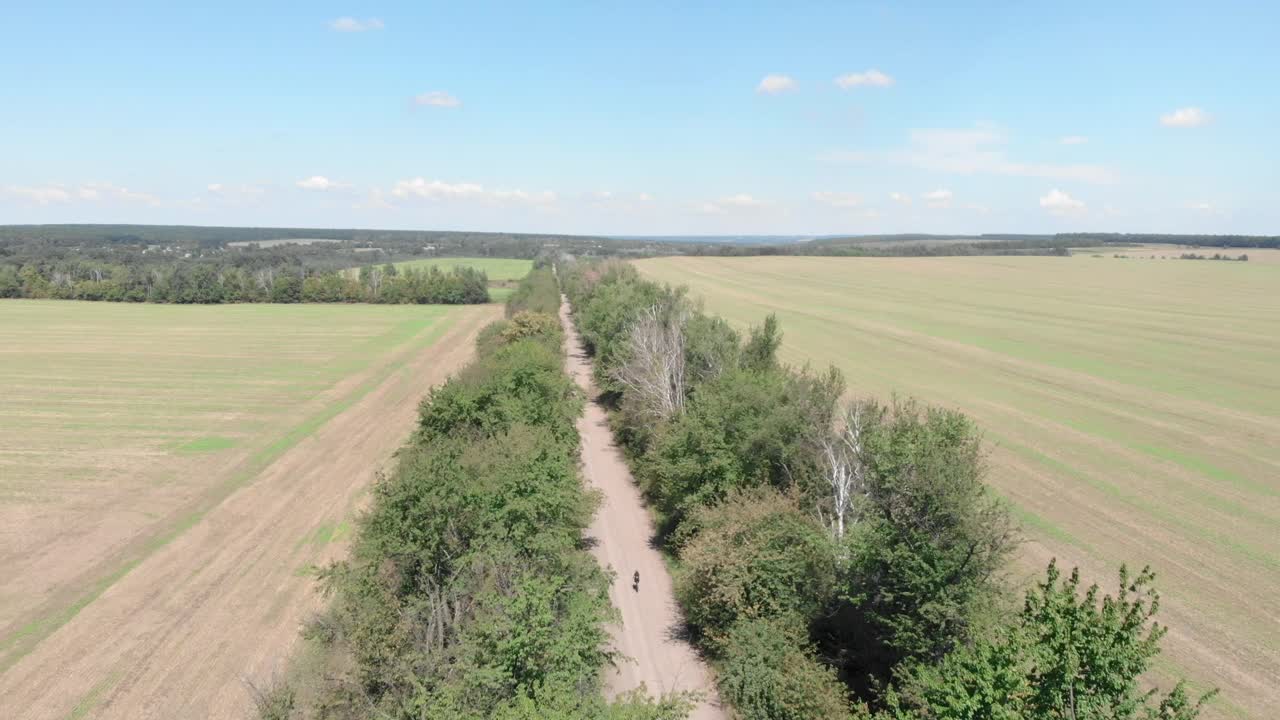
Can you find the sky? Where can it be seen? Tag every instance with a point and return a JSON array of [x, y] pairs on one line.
[[645, 118]]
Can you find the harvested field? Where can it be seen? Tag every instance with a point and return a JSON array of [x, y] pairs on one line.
[[1132, 409], [168, 474]]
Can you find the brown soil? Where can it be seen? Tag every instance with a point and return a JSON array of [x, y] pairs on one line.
[[196, 622], [650, 633]]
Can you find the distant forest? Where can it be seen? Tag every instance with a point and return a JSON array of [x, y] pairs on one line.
[[190, 264], [184, 264]]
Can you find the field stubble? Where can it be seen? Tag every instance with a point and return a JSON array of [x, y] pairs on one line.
[[168, 474], [1132, 410]]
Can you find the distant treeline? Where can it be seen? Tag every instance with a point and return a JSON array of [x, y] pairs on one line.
[[1235, 241], [1215, 256], [845, 560], [300, 247], [213, 282], [469, 593]]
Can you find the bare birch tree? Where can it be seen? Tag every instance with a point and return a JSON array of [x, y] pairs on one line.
[[844, 457], [654, 369]]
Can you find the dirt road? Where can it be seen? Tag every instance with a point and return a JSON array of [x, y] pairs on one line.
[[185, 630], [622, 528]]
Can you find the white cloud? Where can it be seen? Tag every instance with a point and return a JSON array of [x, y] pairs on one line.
[[740, 201], [545, 197], [838, 199], [235, 194], [375, 200], [46, 195], [977, 151], [438, 190], [436, 98], [645, 197], [350, 24], [1060, 203], [773, 83], [1205, 208], [870, 78], [319, 182], [1187, 117], [900, 198], [107, 191], [88, 192], [940, 198], [1074, 140]]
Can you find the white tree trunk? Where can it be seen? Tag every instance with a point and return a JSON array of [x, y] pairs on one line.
[[654, 370], [844, 457]]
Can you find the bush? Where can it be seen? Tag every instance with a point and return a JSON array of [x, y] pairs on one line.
[[745, 428], [770, 673], [928, 544], [756, 555], [1064, 656], [468, 593], [528, 324], [538, 292]]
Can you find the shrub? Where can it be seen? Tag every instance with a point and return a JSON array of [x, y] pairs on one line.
[[745, 428], [1064, 656], [539, 292], [528, 324], [928, 543], [771, 673], [756, 555]]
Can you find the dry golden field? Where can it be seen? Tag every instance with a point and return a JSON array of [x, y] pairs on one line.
[[1132, 408], [169, 473]]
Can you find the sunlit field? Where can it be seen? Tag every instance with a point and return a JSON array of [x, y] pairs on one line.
[[1132, 409], [120, 424]]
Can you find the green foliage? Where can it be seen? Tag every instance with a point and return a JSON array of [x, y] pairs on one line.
[[1065, 656], [538, 293], [769, 673], [711, 347], [757, 555], [531, 324], [928, 544], [468, 593], [761, 350], [897, 602], [607, 300], [191, 282], [744, 428], [520, 383]]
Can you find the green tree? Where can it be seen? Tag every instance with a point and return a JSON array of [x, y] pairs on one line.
[[769, 672], [761, 350], [928, 543], [743, 429], [754, 555], [1066, 655]]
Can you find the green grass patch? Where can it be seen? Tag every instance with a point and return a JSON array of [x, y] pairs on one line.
[[207, 444], [497, 269]]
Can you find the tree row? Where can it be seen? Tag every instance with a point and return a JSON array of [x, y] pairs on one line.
[[842, 559]]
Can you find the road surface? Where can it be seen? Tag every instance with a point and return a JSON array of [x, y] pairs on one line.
[[622, 529]]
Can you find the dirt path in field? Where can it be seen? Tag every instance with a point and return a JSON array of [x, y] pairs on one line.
[[185, 632], [650, 632]]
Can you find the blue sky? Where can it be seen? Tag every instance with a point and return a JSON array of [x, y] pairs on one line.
[[645, 118]]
